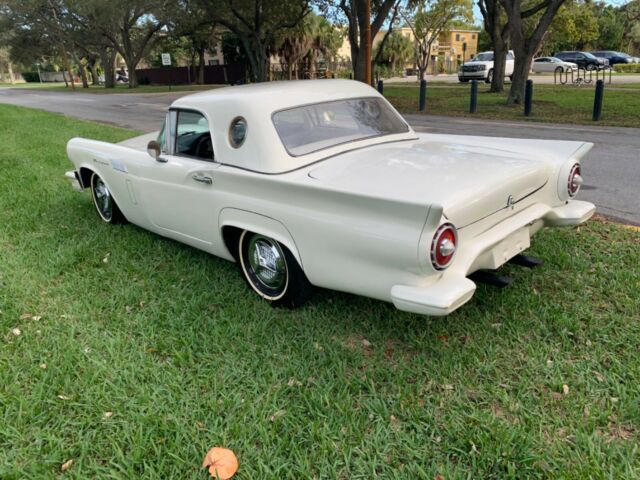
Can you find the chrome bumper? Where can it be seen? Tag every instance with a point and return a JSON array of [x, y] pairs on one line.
[[488, 250], [72, 176]]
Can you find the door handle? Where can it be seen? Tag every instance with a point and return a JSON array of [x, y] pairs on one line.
[[203, 179]]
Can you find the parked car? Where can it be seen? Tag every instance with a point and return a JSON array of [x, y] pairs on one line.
[[480, 67], [583, 59], [614, 57], [551, 64], [323, 183]]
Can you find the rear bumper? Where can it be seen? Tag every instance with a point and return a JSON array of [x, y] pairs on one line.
[[489, 250]]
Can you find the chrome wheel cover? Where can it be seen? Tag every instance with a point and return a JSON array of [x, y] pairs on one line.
[[102, 199], [267, 261]]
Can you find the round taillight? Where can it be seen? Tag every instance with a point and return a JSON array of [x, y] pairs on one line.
[[443, 246], [574, 181]]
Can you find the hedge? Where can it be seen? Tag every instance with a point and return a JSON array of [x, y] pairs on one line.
[[627, 67]]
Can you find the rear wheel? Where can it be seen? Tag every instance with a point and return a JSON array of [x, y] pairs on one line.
[[104, 202], [272, 271]]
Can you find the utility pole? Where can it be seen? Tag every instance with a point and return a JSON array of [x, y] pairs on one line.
[[367, 43]]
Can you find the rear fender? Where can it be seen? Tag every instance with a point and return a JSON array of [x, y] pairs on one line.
[[254, 222]]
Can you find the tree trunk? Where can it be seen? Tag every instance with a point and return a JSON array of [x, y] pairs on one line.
[[499, 65], [83, 76], [108, 58], [200, 78], [11, 78], [521, 67], [64, 77], [131, 67], [93, 66]]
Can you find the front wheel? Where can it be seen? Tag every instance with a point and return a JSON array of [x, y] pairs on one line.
[[272, 271], [591, 67], [489, 78], [104, 202]]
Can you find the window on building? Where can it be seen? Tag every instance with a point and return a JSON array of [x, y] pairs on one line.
[[214, 62], [473, 36], [457, 37]]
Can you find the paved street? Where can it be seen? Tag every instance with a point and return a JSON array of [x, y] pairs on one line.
[[612, 168]]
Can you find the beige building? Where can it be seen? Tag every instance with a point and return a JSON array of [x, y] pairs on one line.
[[448, 48]]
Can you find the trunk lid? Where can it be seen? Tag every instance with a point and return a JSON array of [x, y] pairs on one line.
[[471, 177]]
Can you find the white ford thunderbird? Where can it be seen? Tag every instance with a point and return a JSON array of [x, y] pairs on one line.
[[322, 183]]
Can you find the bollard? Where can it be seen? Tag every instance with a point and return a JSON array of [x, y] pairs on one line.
[[473, 105], [380, 87], [423, 95], [597, 101], [350, 75], [528, 97]]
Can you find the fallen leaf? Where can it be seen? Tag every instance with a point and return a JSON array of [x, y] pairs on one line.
[[199, 425], [152, 350], [277, 415], [294, 383], [106, 258], [63, 397], [549, 363], [43, 366], [24, 316], [565, 389], [614, 399], [107, 414], [366, 343], [16, 332], [599, 376], [221, 462], [66, 465], [586, 411], [35, 318]]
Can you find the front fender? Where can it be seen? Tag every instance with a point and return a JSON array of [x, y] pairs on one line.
[[254, 222]]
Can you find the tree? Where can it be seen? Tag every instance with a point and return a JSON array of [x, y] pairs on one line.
[[526, 38], [430, 19], [128, 27], [575, 26], [362, 29], [610, 28], [395, 51], [497, 27], [256, 24]]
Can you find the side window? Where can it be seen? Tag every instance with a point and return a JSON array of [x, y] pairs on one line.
[[193, 137], [580, 56], [509, 56]]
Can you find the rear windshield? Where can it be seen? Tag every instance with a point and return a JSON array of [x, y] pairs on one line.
[[310, 128]]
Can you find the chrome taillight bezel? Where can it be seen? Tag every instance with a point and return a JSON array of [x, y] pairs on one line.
[[435, 244], [574, 180]]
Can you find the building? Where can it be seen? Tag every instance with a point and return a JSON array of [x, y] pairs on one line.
[[448, 48]]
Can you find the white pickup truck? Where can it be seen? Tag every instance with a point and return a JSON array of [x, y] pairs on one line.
[[480, 67]]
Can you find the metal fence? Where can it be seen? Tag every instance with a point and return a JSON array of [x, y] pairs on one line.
[[213, 74]]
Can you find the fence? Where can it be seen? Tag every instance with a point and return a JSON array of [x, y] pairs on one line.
[[213, 74]]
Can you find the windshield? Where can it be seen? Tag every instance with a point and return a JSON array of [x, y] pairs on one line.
[[483, 57], [588, 55], [316, 127]]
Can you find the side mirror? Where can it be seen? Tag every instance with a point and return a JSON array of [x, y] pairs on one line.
[[153, 149]]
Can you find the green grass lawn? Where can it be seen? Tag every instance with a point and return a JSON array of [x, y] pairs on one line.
[[551, 103], [171, 342]]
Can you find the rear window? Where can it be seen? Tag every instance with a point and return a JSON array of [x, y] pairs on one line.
[[311, 128]]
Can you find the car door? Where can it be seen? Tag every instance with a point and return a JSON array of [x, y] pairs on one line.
[[541, 65], [179, 187], [509, 64]]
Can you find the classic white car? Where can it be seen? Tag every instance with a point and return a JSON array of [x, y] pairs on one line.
[[551, 64], [322, 183]]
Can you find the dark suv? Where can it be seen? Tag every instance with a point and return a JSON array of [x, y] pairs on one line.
[[583, 59], [614, 57]]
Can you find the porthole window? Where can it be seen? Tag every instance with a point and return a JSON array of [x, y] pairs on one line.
[[237, 132]]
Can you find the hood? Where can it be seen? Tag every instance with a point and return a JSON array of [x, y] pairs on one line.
[[471, 177]]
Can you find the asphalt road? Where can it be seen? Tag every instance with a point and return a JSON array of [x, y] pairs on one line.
[[611, 169]]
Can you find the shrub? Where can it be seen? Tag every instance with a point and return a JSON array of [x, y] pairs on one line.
[[627, 67], [31, 77]]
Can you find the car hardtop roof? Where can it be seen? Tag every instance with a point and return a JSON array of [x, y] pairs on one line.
[[280, 95]]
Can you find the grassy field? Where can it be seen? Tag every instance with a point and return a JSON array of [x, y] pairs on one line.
[[132, 355], [551, 103]]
